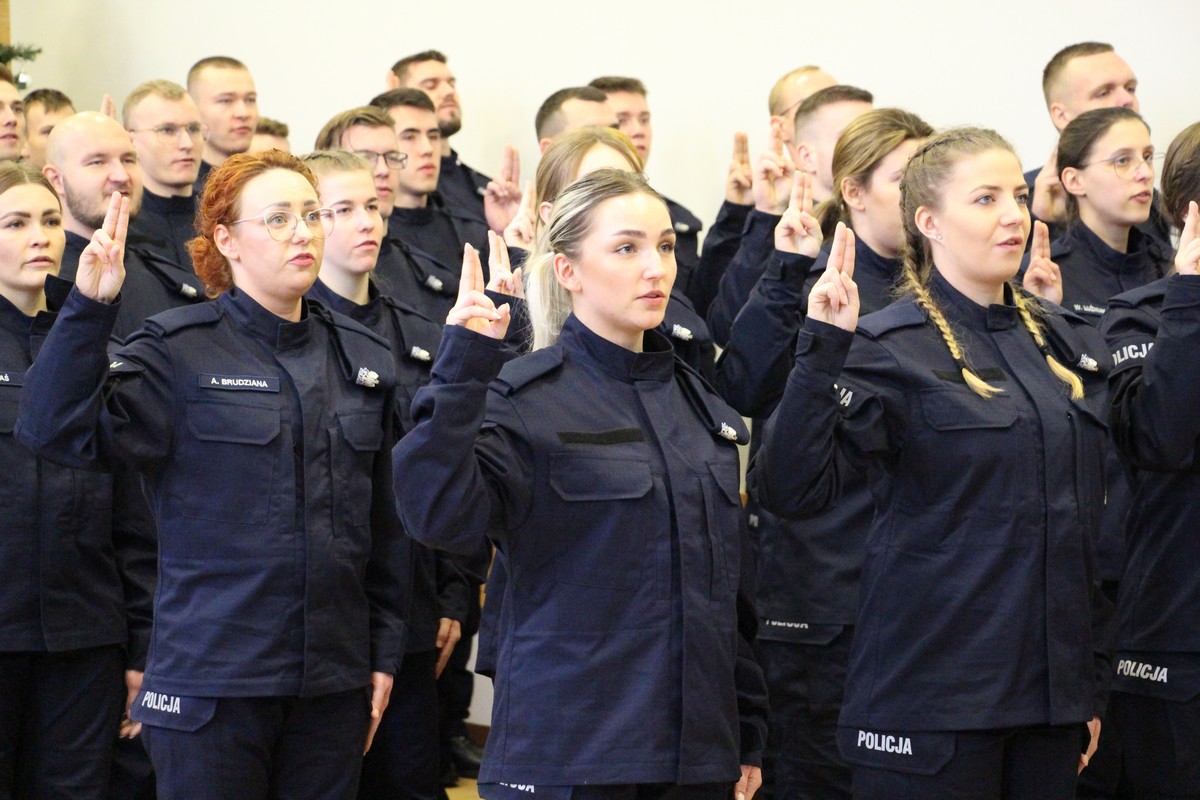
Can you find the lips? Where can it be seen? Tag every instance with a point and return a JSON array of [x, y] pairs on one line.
[[655, 297], [40, 261], [1141, 197], [303, 260], [1012, 243], [369, 244]]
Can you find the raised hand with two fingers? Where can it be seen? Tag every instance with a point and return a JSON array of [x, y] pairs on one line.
[[503, 278], [1187, 258], [739, 182], [101, 269], [772, 180], [798, 231], [502, 197], [834, 298], [520, 231], [1043, 277], [474, 310]]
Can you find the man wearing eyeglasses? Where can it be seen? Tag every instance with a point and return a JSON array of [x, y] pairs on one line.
[[88, 157], [421, 218], [164, 123]]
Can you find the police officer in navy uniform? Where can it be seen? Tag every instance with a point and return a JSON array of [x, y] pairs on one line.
[[77, 558], [262, 419], [1151, 332], [606, 473], [805, 627], [978, 651]]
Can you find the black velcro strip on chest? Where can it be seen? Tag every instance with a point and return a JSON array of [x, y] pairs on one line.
[[618, 436]]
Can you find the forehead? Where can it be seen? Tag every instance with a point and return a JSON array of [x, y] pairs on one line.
[[627, 102], [220, 80], [995, 167], [638, 211], [1124, 133], [32, 198], [1085, 73], [340, 185], [38, 115], [409, 117], [579, 113], [423, 71], [154, 109], [369, 137], [9, 93], [276, 186], [87, 139]]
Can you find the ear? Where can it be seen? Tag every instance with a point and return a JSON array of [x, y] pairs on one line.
[[223, 239], [926, 224], [1072, 181], [565, 272], [852, 194], [1059, 115], [392, 81], [542, 145], [544, 212], [55, 177], [806, 159]]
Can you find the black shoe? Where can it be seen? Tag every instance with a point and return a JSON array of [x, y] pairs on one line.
[[450, 775], [466, 756]]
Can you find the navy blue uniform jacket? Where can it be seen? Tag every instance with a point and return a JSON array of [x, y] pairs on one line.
[[77, 553], [609, 480], [263, 446], [1154, 335], [978, 605]]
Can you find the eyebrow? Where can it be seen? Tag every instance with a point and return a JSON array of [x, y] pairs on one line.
[[640, 234], [287, 205]]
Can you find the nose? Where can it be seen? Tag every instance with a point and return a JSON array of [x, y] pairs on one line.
[[1012, 212], [40, 235], [1144, 171]]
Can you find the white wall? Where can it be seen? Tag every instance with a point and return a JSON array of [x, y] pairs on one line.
[[708, 64]]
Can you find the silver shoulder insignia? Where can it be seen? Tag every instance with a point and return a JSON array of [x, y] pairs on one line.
[[367, 378], [434, 283], [728, 432], [188, 290], [680, 332], [115, 364], [1088, 363], [420, 353]]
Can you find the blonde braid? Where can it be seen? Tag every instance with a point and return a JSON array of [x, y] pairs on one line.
[[912, 284], [1035, 330]]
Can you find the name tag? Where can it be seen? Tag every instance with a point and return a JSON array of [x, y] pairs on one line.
[[239, 383], [11, 378]]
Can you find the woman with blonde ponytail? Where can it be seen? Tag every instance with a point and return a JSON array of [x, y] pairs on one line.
[[977, 655], [606, 474]]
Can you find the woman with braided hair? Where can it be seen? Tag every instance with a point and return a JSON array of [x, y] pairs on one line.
[[977, 413]]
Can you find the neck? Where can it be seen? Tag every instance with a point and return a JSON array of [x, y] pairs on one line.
[[1113, 234], [165, 190], [445, 146], [285, 308], [75, 226], [629, 340], [214, 156], [353, 286], [865, 232], [984, 293], [407, 200], [28, 302]]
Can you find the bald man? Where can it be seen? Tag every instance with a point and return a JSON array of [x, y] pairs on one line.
[[88, 157], [791, 90]]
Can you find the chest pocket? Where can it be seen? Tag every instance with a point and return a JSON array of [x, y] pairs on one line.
[[723, 511], [1092, 451], [354, 444], [15, 488], [230, 462], [965, 458], [605, 524]]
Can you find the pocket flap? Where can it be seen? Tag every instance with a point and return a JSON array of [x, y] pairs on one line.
[[965, 410], [232, 422], [8, 411], [172, 711], [728, 478], [576, 477], [364, 430]]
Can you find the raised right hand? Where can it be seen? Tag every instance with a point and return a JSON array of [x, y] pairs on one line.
[[772, 182], [102, 263], [834, 299], [519, 232], [798, 230], [1049, 202], [1187, 258], [738, 182], [474, 309]]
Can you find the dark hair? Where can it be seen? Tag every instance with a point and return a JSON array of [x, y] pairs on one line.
[[410, 98], [271, 127], [16, 173], [219, 206], [1181, 174], [1056, 65], [400, 68], [6, 74], [1079, 137], [216, 62], [48, 99], [840, 93], [330, 137], [549, 115], [612, 83]]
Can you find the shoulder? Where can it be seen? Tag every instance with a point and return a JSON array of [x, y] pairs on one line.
[[684, 220], [718, 416], [349, 332], [904, 313], [1150, 295], [1076, 341], [175, 320], [525, 370]]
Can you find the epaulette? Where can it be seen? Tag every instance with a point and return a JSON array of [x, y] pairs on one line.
[[519, 372], [421, 335], [1074, 340], [683, 220], [365, 355], [714, 412], [176, 319], [1150, 292], [904, 313]]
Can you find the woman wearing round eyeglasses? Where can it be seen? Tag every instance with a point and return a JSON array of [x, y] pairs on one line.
[[261, 420]]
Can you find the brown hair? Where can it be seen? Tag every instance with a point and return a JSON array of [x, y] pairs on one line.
[[330, 137], [16, 173], [48, 99], [560, 163], [1058, 63], [549, 119], [841, 93], [400, 68], [215, 62], [927, 172], [271, 127], [614, 83], [167, 90], [219, 206], [1181, 174], [867, 140]]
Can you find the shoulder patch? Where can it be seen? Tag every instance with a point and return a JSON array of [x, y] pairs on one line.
[[519, 372], [177, 319], [904, 313]]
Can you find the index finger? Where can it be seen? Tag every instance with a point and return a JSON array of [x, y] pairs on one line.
[[472, 271], [806, 198], [775, 138], [741, 147], [112, 215], [497, 254], [527, 199], [122, 222], [1191, 225], [508, 165], [1040, 247], [838, 249], [797, 200]]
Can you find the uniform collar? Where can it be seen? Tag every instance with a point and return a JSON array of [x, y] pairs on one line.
[[367, 313], [959, 309], [168, 206], [279, 333], [655, 363], [1105, 257], [868, 261]]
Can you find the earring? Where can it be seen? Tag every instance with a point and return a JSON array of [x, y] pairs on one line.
[[937, 238]]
